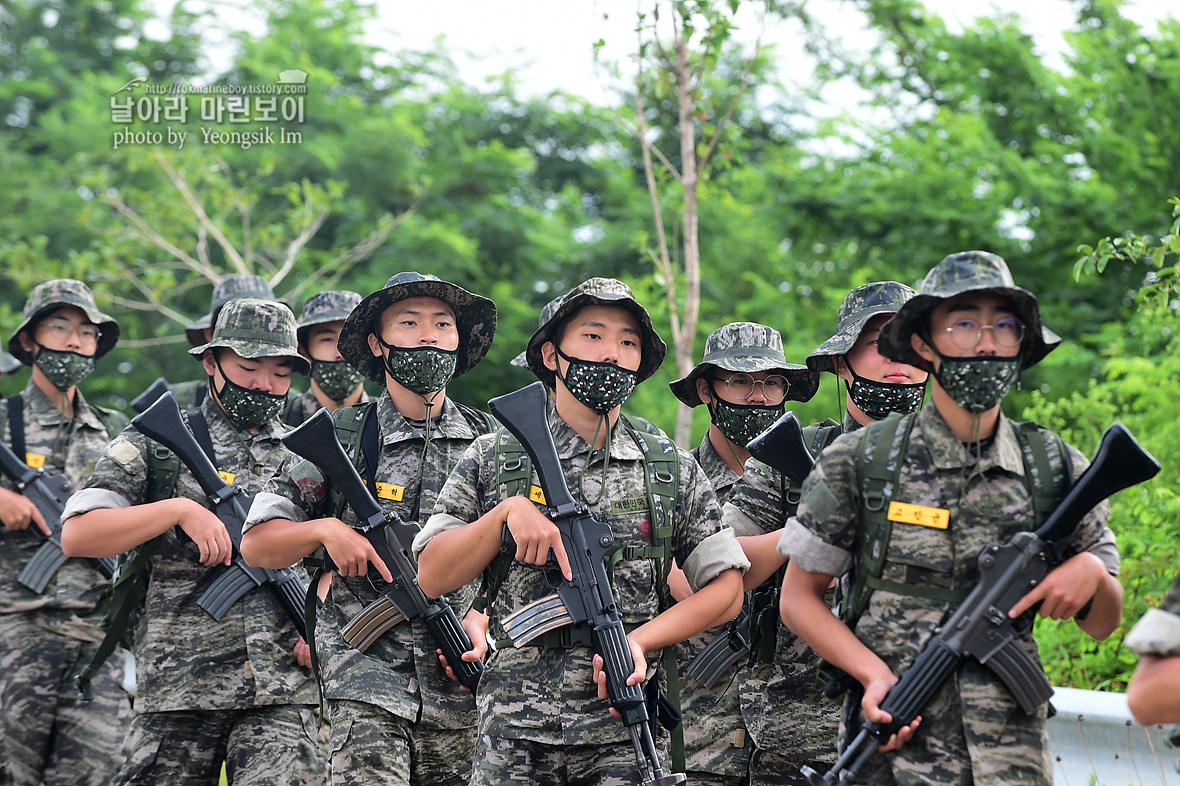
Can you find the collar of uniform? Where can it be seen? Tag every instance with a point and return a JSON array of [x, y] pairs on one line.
[[569, 443], [395, 428], [41, 409], [715, 468], [850, 423], [948, 452]]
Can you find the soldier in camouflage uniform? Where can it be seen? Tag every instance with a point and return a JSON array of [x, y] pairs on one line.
[[209, 691], [334, 383], [974, 330], [48, 734], [541, 719], [1154, 692], [744, 379], [191, 394], [395, 717]]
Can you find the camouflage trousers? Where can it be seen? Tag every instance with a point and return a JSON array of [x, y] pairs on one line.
[[371, 746], [770, 769], [261, 746], [715, 739], [48, 734], [502, 760]]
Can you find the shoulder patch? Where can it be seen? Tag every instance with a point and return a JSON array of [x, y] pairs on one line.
[[122, 451]]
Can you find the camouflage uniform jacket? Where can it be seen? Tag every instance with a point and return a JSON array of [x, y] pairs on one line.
[[547, 695], [69, 447], [714, 735], [782, 704], [400, 672], [1158, 631], [302, 408], [988, 500], [186, 660]]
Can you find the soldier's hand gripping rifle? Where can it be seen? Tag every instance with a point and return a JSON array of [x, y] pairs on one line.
[[315, 440], [587, 601], [980, 627], [49, 493], [162, 422], [782, 448]]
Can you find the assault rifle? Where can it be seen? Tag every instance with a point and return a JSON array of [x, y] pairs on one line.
[[149, 396], [587, 601], [49, 493], [980, 627], [782, 448], [316, 440], [162, 422]]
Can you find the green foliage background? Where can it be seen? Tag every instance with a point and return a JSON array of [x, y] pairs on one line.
[[972, 140]]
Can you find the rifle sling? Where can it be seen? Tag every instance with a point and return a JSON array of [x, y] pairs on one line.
[[16, 425]]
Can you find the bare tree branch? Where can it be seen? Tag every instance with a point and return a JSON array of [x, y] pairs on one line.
[[155, 238], [194, 204]]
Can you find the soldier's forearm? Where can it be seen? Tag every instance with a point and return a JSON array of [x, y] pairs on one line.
[[1154, 692], [765, 559], [1106, 609], [280, 543], [718, 601], [107, 532], [455, 557]]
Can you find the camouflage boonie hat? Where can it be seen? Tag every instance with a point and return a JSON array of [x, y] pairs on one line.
[[256, 329], [64, 292], [859, 306], [966, 271], [520, 361], [230, 288], [8, 363], [749, 347], [334, 305], [475, 318], [597, 292]]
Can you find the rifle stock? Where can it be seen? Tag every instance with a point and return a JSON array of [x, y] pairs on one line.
[[149, 395], [781, 447], [588, 599], [316, 440], [49, 494], [980, 627], [162, 422]]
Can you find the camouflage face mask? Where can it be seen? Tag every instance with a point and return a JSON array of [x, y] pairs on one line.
[[64, 369], [247, 408], [740, 423], [978, 383], [878, 399], [420, 369], [335, 377], [600, 386]]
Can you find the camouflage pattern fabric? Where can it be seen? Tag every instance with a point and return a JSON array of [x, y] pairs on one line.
[[64, 292], [715, 739], [265, 746], [369, 747], [305, 405], [333, 305], [45, 729], [229, 288], [546, 695], [400, 672], [475, 318], [256, 329], [859, 306], [186, 660], [956, 274], [602, 292], [501, 760], [748, 347], [973, 728], [1158, 631]]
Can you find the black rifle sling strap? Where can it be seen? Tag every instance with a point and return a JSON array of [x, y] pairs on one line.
[[16, 425]]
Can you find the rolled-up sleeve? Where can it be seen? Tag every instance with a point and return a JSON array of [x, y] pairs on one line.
[[717, 553]]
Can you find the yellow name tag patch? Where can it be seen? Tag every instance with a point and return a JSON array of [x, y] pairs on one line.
[[536, 495], [905, 513], [228, 477], [390, 491], [35, 460]]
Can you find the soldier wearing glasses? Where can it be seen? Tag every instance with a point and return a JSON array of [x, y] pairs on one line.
[[745, 381], [49, 735], [975, 331]]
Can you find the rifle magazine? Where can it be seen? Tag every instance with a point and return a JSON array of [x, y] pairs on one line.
[[226, 590], [40, 569], [368, 626], [1022, 674], [717, 657], [536, 618]]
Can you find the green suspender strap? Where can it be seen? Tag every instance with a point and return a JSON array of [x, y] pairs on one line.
[[1046, 487], [129, 585]]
